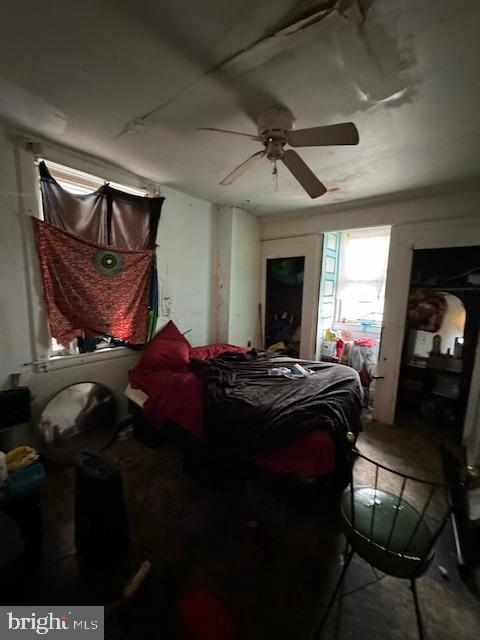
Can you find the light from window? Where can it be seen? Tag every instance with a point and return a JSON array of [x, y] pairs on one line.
[[362, 275], [80, 183]]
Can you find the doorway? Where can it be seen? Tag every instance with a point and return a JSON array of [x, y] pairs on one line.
[[283, 304], [290, 290], [352, 294], [440, 340]]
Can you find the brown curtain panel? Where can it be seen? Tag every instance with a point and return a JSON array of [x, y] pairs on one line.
[[107, 216]]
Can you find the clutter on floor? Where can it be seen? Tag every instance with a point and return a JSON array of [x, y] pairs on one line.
[[253, 561]]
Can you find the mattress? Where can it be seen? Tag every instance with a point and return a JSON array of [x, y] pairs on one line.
[[310, 455], [137, 396]]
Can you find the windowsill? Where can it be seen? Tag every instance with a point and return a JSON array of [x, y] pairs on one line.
[[357, 329], [349, 323], [357, 323], [64, 362]]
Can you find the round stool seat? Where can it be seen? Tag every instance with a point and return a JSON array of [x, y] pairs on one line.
[[407, 553]]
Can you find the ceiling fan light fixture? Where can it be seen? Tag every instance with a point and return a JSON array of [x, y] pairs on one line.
[[275, 124], [275, 131]]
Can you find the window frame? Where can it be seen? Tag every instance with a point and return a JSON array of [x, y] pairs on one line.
[[28, 152], [82, 183], [373, 232]]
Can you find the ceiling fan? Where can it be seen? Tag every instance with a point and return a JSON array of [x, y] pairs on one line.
[[275, 130]]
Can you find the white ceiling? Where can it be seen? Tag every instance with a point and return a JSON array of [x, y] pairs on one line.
[[406, 72]]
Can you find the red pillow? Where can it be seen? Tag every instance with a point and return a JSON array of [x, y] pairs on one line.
[[213, 350], [168, 349]]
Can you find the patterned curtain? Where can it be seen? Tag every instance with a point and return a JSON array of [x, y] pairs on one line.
[[110, 221]]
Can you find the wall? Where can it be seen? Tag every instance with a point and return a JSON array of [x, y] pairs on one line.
[[238, 281], [15, 343], [186, 272], [223, 256], [186, 238], [245, 280], [432, 207]]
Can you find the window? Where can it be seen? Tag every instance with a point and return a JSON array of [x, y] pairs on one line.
[[79, 183], [362, 274]]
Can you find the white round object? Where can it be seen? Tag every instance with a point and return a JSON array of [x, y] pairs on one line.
[[275, 123]]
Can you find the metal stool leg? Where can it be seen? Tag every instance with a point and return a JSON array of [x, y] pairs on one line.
[[337, 588], [421, 631]]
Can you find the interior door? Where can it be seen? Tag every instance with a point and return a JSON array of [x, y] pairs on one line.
[[290, 293]]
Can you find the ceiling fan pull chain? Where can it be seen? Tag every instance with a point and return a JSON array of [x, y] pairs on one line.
[[275, 174]]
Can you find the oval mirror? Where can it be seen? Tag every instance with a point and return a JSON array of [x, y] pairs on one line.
[[81, 416]]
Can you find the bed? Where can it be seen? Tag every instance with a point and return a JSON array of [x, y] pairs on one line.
[[224, 397]]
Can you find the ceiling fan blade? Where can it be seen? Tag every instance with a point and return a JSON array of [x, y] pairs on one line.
[[235, 133], [303, 174], [242, 168], [333, 134]]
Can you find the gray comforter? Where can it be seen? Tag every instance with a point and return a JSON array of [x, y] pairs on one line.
[[249, 411]]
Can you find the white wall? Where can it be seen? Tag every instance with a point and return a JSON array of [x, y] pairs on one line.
[[15, 343], [186, 270], [244, 279], [238, 276], [223, 257], [443, 205]]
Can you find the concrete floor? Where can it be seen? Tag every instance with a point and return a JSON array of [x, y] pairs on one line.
[[274, 582]]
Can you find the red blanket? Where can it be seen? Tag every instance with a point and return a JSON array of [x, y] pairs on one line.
[[175, 394]]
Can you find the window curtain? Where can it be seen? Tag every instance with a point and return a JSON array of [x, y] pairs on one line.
[[107, 218], [93, 290]]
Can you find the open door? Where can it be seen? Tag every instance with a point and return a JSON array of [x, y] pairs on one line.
[[290, 293], [442, 234], [328, 286]]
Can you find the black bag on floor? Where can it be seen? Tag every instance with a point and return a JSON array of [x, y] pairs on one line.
[[101, 524]]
